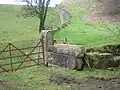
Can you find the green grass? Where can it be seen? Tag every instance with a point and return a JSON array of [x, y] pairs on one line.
[[78, 32], [14, 28], [37, 78], [21, 32], [83, 32]]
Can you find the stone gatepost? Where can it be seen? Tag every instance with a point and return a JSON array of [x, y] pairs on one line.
[[61, 54], [47, 41]]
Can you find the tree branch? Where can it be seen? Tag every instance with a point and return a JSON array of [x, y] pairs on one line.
[[30, 3], [45, 14]]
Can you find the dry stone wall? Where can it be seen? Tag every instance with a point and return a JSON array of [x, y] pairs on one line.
[[103, 57], [65, 15], [75, 56]]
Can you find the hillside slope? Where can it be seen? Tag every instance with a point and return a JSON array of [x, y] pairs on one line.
[[14, 27], [83, 31]]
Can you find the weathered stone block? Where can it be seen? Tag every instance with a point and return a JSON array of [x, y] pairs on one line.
[[47, 40], [67, 55], [102, 60]]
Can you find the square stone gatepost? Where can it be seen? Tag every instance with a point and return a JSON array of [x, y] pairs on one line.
[[47, 41]]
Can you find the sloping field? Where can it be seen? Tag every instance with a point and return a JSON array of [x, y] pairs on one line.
[[13, 27], [86, 32], [80, 31]]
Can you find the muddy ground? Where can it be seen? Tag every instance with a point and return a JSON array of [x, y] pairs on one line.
[[72, 83], [88, 83]]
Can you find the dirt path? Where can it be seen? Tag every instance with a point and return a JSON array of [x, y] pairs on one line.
[[88, 83]]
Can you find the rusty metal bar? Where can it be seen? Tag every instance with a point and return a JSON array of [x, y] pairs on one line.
[[39, 55], [17, 62], [19, 68], [43, 52], [19, 56], [5, 70], [27, 56], [4, 49], [10, 57], [16, 49]]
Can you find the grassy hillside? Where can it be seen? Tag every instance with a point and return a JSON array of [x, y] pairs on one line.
[[80, 31], [14, 27], [83, 31]]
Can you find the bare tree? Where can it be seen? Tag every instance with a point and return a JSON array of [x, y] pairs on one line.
[[40, 8]]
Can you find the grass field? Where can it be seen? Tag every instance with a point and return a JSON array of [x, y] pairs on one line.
[[84, 32], [14, 28], [37, 78], [78, 32]]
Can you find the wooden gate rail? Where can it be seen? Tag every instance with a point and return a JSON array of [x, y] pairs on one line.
[[27, 57]]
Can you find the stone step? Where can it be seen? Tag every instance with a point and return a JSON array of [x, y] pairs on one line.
[[67, 55], [102, 60]]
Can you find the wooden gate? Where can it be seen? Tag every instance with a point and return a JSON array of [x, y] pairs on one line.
[[13, 58]]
